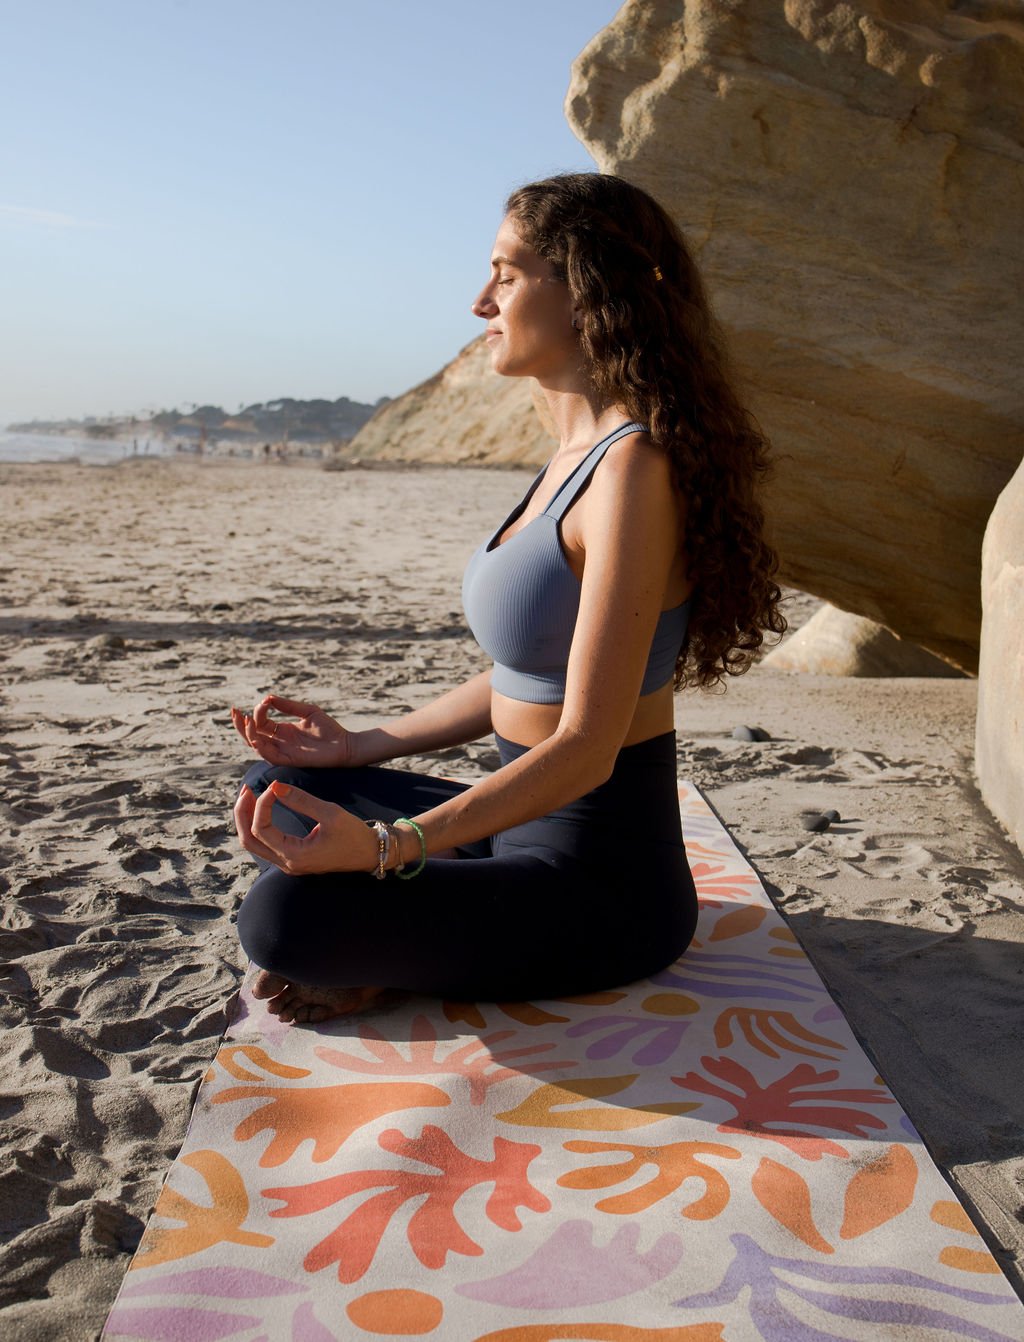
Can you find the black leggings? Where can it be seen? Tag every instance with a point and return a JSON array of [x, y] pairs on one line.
[[593, 895]]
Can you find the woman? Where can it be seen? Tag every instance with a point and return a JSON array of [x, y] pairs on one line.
[[635, 563]]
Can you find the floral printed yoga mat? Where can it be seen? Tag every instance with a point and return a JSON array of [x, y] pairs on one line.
[[706, 1154]]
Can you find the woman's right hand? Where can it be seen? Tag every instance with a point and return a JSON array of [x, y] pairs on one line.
[[315, 741]]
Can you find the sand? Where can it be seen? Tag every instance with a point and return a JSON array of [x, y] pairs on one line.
[[143, 598]]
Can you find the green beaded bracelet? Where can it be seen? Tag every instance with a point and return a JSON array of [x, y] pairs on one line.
[[408, 875]]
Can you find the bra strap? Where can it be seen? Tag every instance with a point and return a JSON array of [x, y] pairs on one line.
[[575, 483]]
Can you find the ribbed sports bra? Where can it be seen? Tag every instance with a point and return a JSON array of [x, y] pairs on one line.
[[522, 599]]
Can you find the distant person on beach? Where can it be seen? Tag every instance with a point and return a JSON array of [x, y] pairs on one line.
[[635, 564]]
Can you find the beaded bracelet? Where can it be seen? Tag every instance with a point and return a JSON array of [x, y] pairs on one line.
[[383, 846], [408, 875]]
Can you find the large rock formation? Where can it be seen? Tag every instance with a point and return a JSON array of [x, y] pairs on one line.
[[835, 643], [852, 178], [999, 745]]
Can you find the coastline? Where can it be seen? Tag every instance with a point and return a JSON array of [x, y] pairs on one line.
[[140, 603]]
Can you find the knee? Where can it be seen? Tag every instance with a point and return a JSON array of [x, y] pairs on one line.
[[265, 928], [258, 775], [262, 773]]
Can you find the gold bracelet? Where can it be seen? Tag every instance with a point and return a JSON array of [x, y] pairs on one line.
[[383, 845]]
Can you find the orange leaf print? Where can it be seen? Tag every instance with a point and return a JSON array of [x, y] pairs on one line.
[[784, 1194], [608, 997], [879, 1191], [951, 1215], [537, 1110], [738, 922], [764, 1028], [528, 1013], [605, 1332], [675, 1164], [791, 946], [467, 1011], [325, 1115], [203, 1226], [259, 1058], [671, 1004], [969, 1260], [402, 1312]]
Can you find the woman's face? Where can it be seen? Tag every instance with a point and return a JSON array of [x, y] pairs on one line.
[[528, 311]]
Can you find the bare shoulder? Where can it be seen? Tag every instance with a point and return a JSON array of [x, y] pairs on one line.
[[634, 468]]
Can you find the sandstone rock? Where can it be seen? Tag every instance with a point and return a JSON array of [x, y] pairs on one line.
[[999, 744], [852, 178], [465, 413], [836, 643]]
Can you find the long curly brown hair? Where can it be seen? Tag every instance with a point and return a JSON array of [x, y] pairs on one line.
[[653, 347]]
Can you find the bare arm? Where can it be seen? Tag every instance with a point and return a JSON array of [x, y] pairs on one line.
[[460, 715], [318, 741], [630, 532]]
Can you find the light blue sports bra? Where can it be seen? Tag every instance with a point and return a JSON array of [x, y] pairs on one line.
[[522, 599]]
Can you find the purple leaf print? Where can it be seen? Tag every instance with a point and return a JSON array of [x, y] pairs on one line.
[[757, 1270], [667, 1037], [570, 1271]]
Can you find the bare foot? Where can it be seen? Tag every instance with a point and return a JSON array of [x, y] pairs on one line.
[[309, 1006], [266, 984]]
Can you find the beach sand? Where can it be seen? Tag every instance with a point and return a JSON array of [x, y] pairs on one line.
[[142, 598]]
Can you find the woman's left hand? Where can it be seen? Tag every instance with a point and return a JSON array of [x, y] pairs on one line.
[[339, 841]]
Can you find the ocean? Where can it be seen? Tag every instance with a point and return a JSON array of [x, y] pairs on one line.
[[57, 447]]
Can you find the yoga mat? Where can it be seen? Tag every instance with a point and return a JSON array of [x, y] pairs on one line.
[[706, 1154]]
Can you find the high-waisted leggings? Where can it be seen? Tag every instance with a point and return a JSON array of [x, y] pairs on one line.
[[593, 895]]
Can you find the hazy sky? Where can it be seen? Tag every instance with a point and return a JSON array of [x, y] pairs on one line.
[[234, 200]]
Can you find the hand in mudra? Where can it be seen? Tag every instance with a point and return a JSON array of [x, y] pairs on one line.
[[338, 841], [315, 741]]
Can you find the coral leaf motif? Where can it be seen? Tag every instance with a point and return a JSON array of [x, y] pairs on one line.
[[784, 1194], [203, 1226], [675, 1163], [325, 1115], [879, 1192], [785, 1110], [537, 1110], [433, 1230], [470, 1061]]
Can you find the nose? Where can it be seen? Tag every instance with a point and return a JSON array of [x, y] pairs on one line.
[[484, 305]]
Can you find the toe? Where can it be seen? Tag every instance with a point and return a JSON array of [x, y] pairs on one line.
[[266, 984]]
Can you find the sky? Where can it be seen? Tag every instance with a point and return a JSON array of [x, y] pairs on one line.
[[230, 201]]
